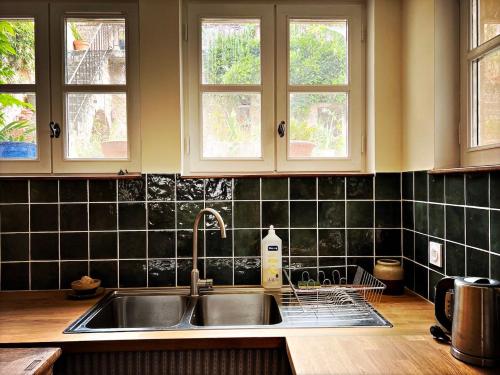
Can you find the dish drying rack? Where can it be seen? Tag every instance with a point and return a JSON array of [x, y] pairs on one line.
[[342, 296]]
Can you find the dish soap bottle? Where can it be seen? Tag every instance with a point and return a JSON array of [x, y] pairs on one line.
[[271, 260]]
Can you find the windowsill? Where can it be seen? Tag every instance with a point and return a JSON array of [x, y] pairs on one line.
[[485, 168], [71, 176], [275, 174]]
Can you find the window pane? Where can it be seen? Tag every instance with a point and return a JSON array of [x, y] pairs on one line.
[[97, 126], [487, 98], [17, 51], [17, 126], [95, 51], [231, 125], [486, 20], [318, 125], [230, 51], [318, 52]]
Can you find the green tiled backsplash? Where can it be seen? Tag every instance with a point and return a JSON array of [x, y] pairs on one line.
[[460, 211], [138, 233]]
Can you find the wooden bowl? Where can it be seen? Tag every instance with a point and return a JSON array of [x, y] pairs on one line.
[[85, 288]]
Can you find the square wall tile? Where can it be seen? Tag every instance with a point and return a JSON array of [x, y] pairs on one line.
[[388, 186], [421, 249], [44, 246], [44, 275], [186, 213], [132, 245], [102, 191], [436, 220], [478, 263], [407, 185], [302, 188], [454, 189], [359, 187], [220, 270], [476, 189], [73, 191], [246, 214], [331, 214], [359, 214], [303, 214], [132, 273], [15, 276], [103, 245], [495, 189], [14, 247], [13, 191], [185, 243], [275, 213], [44, 191], [455, 224], [161, 272], [436, 188], [331, 242], [190, 189], [106, 271], [161, 187], [420, 186], [388, 214], [225, 210], [331, 188], [360, 242], [132, 216], [218, 189], [455, 259], [388, 242], [15, 218], [73, 217], [102, 216], [161, 215], [303, 242], [274, 188], [247, 271], [409, 244], [246, 189], [44, 217], [161, 244], [74, 245], [495, 231], [247, 242], [476, 224], [216, 246], [132, 190]]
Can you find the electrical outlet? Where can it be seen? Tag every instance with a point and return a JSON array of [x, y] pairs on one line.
[[436, 254]]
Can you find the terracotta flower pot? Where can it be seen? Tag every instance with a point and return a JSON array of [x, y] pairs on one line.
[[114, 149], [80, 45], [301, 148]]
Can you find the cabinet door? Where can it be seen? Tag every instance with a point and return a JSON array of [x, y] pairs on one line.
[[94, 67], [24, 88]]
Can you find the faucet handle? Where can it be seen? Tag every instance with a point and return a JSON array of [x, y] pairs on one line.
[[206, 283]]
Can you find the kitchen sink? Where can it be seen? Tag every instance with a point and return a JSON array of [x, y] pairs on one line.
[[133, 311], [254, 309], [140, 311]]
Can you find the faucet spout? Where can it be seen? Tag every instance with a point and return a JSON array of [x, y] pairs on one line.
[[196, 282]]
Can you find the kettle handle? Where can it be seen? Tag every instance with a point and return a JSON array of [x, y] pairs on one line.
[[442, 287]]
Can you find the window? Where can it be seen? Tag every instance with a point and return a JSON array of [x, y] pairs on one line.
[[480, 82], [76, 113], [273, 88]]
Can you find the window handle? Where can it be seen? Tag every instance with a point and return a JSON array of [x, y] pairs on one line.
[[55, 129], [281, 129]]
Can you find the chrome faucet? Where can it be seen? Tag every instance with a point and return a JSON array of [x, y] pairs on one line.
[[196, 282]]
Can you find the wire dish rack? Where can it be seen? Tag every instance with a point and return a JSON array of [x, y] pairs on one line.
[[342, 296]]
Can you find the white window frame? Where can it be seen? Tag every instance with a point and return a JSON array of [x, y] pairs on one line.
[[38, 11], [193, 158], [472, 155], [354, 87], [274, 61], [129, 11]]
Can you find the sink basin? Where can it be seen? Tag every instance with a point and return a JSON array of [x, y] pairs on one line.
[[139, 311], [254, 309]]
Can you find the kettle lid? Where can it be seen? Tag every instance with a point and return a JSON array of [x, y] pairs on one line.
[[481, 282]]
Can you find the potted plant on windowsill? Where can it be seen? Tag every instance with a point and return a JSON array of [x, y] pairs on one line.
[[113, 139], [16, 137], [79, 44], [299, 146]]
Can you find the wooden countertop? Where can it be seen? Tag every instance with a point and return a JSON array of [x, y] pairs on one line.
[[39, 318], [27, 361]]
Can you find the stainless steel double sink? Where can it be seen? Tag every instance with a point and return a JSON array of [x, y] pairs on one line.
[[150, 310]]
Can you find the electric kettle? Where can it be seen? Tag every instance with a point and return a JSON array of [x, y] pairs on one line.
[[469, 308]]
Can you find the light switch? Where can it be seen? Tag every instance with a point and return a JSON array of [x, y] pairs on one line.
[[436, 254]]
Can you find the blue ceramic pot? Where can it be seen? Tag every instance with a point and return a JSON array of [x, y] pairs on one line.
[[17, 150]]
